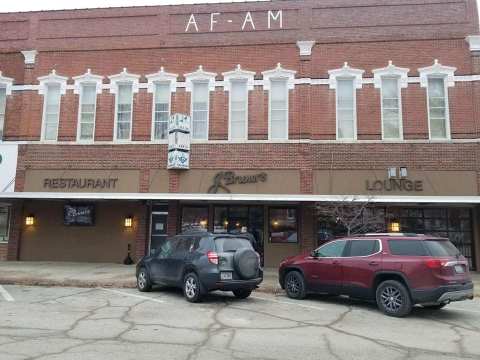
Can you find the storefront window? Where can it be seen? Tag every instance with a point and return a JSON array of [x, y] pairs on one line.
[[4, 224], [283, 225], [194, 218]]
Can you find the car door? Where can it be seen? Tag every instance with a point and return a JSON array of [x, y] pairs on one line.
[[176, 262], [159, 265], [363, 258], [325, 269]]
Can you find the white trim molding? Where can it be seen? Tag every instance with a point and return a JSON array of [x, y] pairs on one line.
[[391, 71], [279, 73], [346, 72], [305, 47], [200, 76], [473, 42], [124, 77], [7, 83], [437, 70], [52, 78], [238, 74], [29, 56], [88, 78], [162, 77]]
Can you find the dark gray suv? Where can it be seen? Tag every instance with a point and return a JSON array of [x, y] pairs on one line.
[[199, 262]]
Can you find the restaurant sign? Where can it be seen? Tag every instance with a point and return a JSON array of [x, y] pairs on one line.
[[223, 179], [80, 183], [389, 185]]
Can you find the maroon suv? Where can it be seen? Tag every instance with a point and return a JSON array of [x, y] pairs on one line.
[[397, 271]]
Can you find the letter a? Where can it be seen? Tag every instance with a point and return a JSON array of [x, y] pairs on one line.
[[191, 21], [248, 18]]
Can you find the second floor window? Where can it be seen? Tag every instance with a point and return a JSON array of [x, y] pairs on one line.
[[437, 108], [88, 100], [161, 111], [124, 112], [391, 108], [346, 114], [200, 108], [278, 110], [3, 103], [238, 110], [51, 112]]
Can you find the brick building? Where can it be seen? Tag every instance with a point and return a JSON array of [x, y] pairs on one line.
[[295, 105]]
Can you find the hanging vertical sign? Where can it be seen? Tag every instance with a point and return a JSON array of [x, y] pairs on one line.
[[179, 142]]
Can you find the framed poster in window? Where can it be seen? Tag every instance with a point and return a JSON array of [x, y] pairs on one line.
[[79, 215]]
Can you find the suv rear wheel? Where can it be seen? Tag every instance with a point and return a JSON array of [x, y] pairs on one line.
[[191, 288], [295, 285], [393, 298], [242, 293], [143, 280]]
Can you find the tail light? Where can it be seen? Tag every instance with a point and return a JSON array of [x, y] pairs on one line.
[[435, 263], [212, 257]]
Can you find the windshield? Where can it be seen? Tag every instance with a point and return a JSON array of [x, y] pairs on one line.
[[441, 248], [231, 244]]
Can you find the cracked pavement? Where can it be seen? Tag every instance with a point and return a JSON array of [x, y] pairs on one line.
[[76, 323]]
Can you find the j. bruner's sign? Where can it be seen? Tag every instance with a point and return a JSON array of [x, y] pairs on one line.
[[394, 185], [80, 183], [223, 179]]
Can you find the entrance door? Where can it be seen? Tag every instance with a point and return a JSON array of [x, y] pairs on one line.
[[158, 230]]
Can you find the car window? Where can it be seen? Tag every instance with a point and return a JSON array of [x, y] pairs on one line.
[[184, 244], [441, 248], [231, 244], [363, 247], [167, 248], [407, 248], [333, 249]]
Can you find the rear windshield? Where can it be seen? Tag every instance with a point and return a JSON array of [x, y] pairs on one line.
[[432, 247], [231, 244]]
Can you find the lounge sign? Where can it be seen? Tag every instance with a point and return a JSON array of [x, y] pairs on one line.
[[402, 185], [224, 179], [80, 183]]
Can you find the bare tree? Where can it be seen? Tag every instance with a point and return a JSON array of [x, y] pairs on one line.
[[350, 216]]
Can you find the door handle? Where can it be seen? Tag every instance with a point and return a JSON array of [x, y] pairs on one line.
[[373, 263]]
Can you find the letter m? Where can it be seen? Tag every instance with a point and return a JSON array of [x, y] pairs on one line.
[[277, 17]]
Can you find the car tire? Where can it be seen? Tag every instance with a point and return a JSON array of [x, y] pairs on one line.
[[295, 285], [435, 306], [242, 293], [393, 299], [192, 288], [143, 280]]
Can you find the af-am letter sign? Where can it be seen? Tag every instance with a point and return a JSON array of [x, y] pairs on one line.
[[8, 167]]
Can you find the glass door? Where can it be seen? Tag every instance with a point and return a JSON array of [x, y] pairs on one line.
[[158, 230]]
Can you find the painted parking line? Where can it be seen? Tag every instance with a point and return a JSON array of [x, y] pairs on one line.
[[6, 295], [134, 295], [288, 303]]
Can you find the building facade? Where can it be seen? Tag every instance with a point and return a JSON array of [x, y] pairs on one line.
[[295, 106]]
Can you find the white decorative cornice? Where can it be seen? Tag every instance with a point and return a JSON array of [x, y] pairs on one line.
[[305, 47], [29, 56], [7, 83], [88, 78], [346, 72], [238, 74], [52, 78], [124, 78], [390, 71], [474, 42], [437, 70], [200, 75], [162, 77], [279, 73]]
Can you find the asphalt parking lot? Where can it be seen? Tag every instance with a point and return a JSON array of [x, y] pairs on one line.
[[78, 323]]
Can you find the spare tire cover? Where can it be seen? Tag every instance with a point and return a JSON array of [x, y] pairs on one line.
[[246, 263]]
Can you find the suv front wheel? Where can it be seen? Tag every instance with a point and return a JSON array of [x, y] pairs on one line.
[[295, 285], [393, 298], [191, 288]]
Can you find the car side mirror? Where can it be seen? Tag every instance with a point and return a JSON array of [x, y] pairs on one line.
[[314, 254]]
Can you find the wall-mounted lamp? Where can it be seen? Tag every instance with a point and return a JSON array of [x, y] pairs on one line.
[[395, 226], [30, 220], [129, 221]]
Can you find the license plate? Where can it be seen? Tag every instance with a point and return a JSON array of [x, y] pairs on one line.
[[226, 276], [459, 269]]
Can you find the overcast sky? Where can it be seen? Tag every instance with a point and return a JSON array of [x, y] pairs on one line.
[[29, 5]]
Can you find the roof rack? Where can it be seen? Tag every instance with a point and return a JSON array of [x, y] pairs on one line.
[[392, 234]]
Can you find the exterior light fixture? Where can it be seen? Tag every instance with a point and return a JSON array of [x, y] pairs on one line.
[[395, 226], [275, 222], [30, 220], [129, 221]]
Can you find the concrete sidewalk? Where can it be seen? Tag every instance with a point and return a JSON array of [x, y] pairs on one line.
[[103, 275]]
